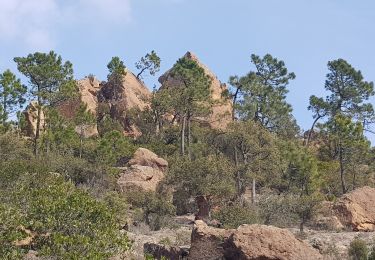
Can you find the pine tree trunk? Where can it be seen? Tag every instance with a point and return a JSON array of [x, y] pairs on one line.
[[253, 192], [37, 130], [343, 183], [183, 135], [311, 130], [4, 110], [189, 136], [81, 142]]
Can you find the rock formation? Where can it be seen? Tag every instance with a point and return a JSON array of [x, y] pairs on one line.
[[145, 171], [248, 242], [221, 114], [88, 88], [31, 116], [325, 218], [267, 242], [133, 95], [356, 210]]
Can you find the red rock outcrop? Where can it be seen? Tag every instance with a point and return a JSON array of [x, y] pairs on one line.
[[221, 114], [356, 209], [88, 88], [145, 171], [133, 95], [251, 242]]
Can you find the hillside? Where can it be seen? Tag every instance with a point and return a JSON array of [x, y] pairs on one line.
[[195, 169]]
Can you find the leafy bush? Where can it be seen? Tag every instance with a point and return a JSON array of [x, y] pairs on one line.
[[58, 219], [235, 215], [210, 176], [358, 250], [155, 208]]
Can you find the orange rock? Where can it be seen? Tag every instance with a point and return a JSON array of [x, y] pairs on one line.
[[357, 209], [221, 114]]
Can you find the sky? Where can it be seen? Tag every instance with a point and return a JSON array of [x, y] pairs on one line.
[[305, 34]]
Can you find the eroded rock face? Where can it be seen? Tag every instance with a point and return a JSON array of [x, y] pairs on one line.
[[221, 114], [248, 242], [88, 88], [356, 210], [145, 171], [31, 116], [132, 95]]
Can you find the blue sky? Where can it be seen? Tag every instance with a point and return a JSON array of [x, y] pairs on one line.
[[305, 34]]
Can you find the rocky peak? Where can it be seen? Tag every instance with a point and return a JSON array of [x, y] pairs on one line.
[[132, 95], [221, 114]]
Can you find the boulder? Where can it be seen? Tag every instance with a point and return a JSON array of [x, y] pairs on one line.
[[145, 171], [221, 114], [207, 242], [132, 95], [267, 242], [248, 242], [356, 210], [145, 157]]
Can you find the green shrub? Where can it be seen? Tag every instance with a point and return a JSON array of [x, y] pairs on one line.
[[358, 250], [371, 256], [67, 222], [235, 215]]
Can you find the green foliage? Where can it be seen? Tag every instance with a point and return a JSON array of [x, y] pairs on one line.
[[358, 250], [190, 96], [232, 216], [150, 62], [251, 147], [116, 69], [155, 207], [12, 94], [113, 147], [210, 176], [301, 169], [65, 222], [48, 75], [261, 95], [278, 210]]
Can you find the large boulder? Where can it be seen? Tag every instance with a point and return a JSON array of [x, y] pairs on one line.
[[145, 157], [248, 242], [221, 114], [133, 95], [267, 242], [356, 210], [145, 171]]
